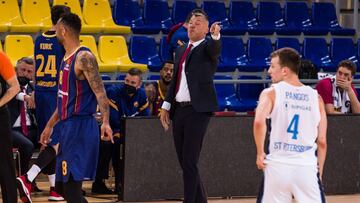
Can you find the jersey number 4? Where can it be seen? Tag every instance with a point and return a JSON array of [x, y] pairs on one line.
[[49, 68], [293, 126]]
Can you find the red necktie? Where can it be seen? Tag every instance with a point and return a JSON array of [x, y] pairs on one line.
[[23, 118], [183, 58]]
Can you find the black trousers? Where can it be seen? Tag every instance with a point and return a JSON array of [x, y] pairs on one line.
[[109, 151], [189, 128], [7, 170], [25, 147]]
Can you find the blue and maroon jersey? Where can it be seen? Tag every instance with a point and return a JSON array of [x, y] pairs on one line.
[[48, 54], [75, 97]]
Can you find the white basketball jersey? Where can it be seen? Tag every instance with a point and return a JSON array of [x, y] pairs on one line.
[[294, 125]]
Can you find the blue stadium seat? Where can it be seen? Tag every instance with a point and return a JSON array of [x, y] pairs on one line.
[[217, 12], [120, 77], [106, 77], [288, 42], [181, 8], [324, 17], [225, 93], [143, 49], [297, 18], [341, 49], [128, 12], [270, 18], [248, 95], [164, 50], [242, 16], [154, 77], [259, 50], [316, 50], [232, 54], [157, 15]]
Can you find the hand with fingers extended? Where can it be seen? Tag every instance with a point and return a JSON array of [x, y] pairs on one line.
[[164, 118], [106, 133], [45, 135]]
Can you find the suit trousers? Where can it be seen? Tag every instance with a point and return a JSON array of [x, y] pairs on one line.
[[189, 128], [7, 170]]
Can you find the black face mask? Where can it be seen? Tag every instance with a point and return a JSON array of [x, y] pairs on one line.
[[23, 80], [130, 89]]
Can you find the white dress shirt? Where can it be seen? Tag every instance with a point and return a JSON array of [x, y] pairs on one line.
[[20, 96], [183, 95]]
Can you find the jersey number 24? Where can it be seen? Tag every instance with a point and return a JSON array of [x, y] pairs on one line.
[[49, 68]]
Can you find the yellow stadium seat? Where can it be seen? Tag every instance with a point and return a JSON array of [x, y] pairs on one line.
[[98, 13], [10, 18], [75, 8], [89, 41], [37, 12], [18, 46], [113, 50]]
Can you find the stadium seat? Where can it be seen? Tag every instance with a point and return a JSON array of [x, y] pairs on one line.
[[37, 13], [120, 77], [128, 12], [242, 16], [98, 13], [11, 20], [106, 77], [225, 93], [113, 50], [157, 15], [76, 8], [89, 41], [233, 54], [217, 12], [259, 50], [316, 50], [154, 77], [324, 17], [12, 47], [269, 17], [143, 50], [164, 50], [297, 18], [181, 8], [341, 49], [288, 42], [248, 94]]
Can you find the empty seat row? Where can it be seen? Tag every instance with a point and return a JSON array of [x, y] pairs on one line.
[[265, 19], [254, 56], [35, 16], [111, 51]]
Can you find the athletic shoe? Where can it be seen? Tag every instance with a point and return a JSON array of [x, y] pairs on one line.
[[54, 196], [24, 187]]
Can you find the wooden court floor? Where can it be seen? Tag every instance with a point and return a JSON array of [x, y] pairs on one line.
[[42, 197]]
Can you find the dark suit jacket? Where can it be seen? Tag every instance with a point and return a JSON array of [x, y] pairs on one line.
[[200, 66], [14, 106]]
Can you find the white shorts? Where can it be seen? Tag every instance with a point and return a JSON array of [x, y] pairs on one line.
[[282, 182]]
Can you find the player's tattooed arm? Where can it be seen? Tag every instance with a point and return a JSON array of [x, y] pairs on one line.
[[89, 66]]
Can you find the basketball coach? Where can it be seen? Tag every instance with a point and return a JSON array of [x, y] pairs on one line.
[[191, 99]]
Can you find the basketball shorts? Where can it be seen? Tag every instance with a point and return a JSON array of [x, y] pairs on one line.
[[78, 150], [282, 182]]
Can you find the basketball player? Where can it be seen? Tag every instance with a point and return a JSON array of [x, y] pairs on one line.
[[80, 90], [48, 54], [297, 148]]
